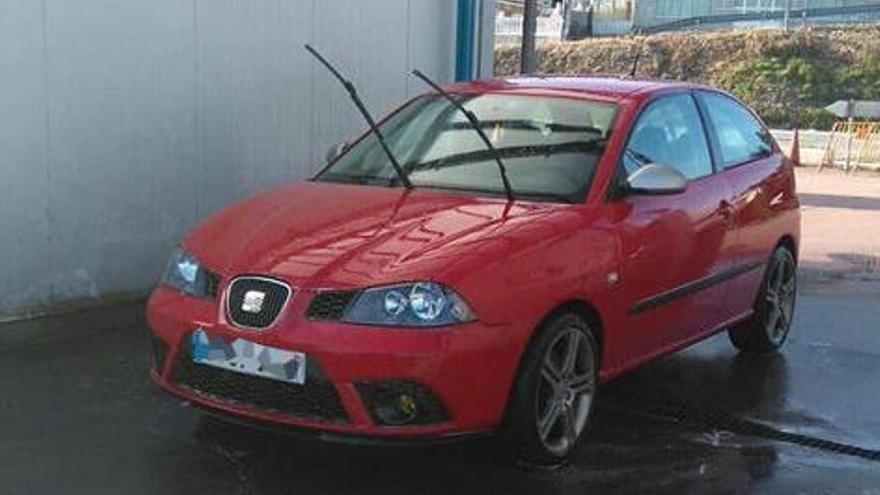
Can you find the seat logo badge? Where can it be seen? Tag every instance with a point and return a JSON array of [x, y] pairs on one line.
[[253, 301]]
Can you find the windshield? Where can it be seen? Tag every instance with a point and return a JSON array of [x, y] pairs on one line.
[[549, 146]]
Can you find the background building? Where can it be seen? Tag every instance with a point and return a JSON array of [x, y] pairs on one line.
[[584, 18], [123, 122], [661, 14]]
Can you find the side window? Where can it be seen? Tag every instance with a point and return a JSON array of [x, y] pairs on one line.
[[669, 132], [741, 137]]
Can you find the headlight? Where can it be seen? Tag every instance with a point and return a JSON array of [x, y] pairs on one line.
[[418, 304], [185, 274]]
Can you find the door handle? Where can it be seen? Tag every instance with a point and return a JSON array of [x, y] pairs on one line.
[[725, 208]]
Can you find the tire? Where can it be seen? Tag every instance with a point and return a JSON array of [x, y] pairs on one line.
[[554, 393], [768, 327]]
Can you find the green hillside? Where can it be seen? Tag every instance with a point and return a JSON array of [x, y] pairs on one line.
[[769, 69]]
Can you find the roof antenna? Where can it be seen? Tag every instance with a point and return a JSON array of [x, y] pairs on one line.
[[635, 66]]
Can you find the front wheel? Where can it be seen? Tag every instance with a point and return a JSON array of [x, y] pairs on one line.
[[554, 392], [770, 323]]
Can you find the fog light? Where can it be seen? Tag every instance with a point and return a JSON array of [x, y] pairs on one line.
[[401, 403], [401, 411]]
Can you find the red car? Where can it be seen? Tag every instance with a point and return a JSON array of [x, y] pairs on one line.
[[476, 288]]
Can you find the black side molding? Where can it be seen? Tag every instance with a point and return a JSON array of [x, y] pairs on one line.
[[692, 287]]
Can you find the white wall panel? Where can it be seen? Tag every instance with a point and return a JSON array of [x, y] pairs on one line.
[[123, 122], [25, 277]]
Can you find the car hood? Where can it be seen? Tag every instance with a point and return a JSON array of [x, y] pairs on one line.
[[324, 235]]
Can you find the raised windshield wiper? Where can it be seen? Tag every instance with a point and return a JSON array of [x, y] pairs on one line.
[[475, 123], [352, 92]]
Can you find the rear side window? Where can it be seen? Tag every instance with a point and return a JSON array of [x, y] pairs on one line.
[[669, 132], [741, 137]]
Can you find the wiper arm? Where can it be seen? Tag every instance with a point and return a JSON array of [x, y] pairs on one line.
[[352, 92], [475, 123]]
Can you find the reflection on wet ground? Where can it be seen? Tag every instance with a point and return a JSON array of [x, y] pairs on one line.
[[77, 414]]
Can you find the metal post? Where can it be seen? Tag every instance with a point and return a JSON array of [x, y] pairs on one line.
[[850, 124], [465, 40], [530, 26], [787, 15]]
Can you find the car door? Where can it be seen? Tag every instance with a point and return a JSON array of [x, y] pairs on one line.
[[672, 246], [761, 187]]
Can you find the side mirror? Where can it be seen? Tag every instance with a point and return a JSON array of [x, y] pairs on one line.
[[336, 150], [654, 178]]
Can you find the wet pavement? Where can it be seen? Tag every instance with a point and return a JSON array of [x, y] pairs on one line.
[[78, 415]]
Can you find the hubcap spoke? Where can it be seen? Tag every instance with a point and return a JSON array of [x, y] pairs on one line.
[[773, 320], [582, 384], [782, 321], [777, 277], [786, 310], [570, 425], [550, 373], [545, 425], [571, 352]]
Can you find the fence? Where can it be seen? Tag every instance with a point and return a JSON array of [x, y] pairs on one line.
[[853, 145], [548, 27]]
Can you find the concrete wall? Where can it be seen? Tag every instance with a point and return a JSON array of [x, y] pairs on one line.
[[123, 122]]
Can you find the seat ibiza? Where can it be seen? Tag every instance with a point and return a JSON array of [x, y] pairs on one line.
[[484, 262]]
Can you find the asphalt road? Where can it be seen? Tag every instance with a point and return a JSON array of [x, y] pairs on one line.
[[78, 415]]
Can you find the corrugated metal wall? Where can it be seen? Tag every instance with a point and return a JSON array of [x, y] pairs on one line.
[[122, 122]]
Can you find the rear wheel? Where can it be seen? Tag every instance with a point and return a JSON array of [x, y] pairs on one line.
[[554, 392], [768, 327]]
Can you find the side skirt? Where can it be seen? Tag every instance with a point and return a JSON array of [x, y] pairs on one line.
[[609, 375]]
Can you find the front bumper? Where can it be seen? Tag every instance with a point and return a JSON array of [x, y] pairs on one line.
[[468, 368]]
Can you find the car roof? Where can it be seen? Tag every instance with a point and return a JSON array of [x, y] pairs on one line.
[[608, 87]]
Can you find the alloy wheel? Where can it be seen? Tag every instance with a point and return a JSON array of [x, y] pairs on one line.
[[779, 298], [565, 390]]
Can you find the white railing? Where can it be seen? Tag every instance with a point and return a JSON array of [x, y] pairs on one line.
[[548, 27]]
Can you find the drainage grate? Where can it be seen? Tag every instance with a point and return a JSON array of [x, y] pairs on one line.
[[678, 411]]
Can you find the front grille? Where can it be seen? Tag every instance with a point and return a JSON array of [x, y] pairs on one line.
[[271, 296], [160, 352], [330, 305], [316, 399], [212, 284]]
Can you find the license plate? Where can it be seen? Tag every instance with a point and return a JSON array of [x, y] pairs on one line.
[[249, 358]]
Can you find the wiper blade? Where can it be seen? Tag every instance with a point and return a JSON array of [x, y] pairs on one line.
[[360, 179], [551, 195], [562, 198], [475, 123], [352, 92], [509, 152], [532, 125]]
